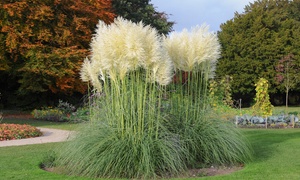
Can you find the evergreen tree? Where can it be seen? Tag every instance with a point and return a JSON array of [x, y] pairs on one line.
[[255, 40], [143, 10]]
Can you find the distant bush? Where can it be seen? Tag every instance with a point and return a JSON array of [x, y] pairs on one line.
[[80, 115], [65, 107], [17, 131], [64, 112], [48, 114]]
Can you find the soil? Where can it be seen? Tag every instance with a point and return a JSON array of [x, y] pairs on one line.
[[192, 173], [18, 116], [212, 171]]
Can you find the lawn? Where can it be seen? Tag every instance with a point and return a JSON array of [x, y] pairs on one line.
[[22, 162], [276, 155], [39, 123], [282, 109]]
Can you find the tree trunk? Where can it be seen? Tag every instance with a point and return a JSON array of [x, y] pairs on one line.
[[286, 100]]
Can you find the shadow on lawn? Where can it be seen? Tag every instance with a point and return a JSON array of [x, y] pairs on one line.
[[265, 142], [38, 123]]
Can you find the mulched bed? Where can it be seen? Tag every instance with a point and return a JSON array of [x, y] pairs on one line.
[[18, 116], [191, 173]]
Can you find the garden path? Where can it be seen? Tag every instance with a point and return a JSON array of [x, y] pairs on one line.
[[49, 135]]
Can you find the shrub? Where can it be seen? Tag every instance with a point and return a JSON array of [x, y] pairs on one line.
[[80, 115], [16, 131], [262, 104], [62, 113], [65, 107], [220, 92], [48, 114]]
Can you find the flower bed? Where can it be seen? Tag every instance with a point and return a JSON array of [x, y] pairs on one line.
[[17, 131]]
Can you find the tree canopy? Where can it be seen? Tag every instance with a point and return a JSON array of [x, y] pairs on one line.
[[43, 43], [254, 41], [143, 10]]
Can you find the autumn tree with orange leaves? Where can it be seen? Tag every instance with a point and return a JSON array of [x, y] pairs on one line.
[[43, 43]]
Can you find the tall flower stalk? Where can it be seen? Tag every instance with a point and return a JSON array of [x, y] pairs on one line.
[[129, 68], [193, 53]]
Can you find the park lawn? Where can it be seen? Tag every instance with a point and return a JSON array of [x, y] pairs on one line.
[[22, 162], [282, 109], [41, 123], [276, 156]]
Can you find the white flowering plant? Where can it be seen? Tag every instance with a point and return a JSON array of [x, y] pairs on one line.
[[141, 126]]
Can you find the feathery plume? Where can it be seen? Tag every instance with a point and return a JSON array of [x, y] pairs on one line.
[[188, 50], [124, 46]]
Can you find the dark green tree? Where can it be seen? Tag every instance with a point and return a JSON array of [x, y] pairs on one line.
[[143, 10], [253, 41]]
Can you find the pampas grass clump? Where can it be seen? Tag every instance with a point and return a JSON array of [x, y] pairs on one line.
[[136, 133], [99, 150], [129, 68], [208, 140]]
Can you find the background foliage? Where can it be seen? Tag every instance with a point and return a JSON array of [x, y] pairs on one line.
[[143, 10], [254, 41], [43, 44]]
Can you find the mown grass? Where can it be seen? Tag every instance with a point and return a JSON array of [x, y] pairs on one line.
[[282, 109], [23, 162], [40, 123], [276, 156]]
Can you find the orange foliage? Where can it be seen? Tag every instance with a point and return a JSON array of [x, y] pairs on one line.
[[51, 38]]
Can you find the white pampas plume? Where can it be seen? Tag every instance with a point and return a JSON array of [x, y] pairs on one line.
[[124, 46], [188, 50], [88, 73], [162, 71]]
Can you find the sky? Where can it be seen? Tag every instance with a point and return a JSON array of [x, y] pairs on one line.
[[189, 13]]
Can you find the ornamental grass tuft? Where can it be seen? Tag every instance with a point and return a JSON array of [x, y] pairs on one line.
[[208, 140], [100, 150], [140, 127]]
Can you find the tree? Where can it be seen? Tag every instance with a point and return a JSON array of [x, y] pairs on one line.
[[287, 74], [43, 43], [254, 40], [262, 104], [143, 10]]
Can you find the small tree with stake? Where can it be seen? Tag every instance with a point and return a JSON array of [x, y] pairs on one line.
[[262, 104], [287, 74]]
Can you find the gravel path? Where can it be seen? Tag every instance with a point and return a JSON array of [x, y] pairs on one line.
[[49, 135]]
